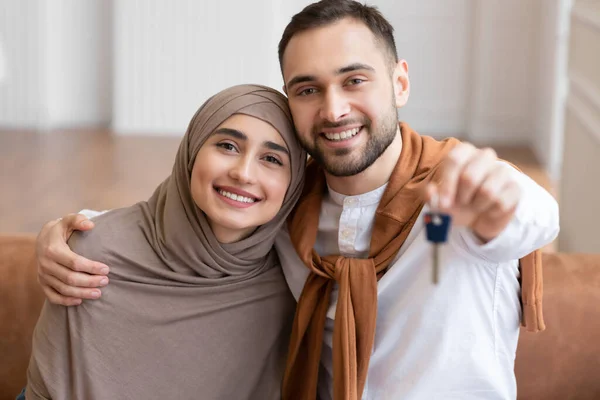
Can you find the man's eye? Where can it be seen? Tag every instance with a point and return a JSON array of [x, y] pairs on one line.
[[307, 92], [355, 81]]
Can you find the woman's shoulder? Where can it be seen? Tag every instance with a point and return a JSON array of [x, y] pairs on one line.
[[114, 231]]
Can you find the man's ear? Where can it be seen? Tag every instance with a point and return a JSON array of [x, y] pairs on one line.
[[401, 83]]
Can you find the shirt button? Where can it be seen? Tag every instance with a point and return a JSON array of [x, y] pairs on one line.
[[346, 233], [350, 202]]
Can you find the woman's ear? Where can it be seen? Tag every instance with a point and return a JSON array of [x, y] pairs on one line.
[[401, 83]]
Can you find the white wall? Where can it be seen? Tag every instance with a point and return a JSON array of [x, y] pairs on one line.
[[77, 54], [147, 65], [473, 65], [552, 81], [434, 38], [56, 59], [579, 188], [20, 105], [171, 56]]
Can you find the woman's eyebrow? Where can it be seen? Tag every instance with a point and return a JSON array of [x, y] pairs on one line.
[[242, 136], [276, 147], [231, 132]]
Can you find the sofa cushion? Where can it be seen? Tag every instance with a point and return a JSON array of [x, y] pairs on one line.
[[21, 300], [563, 362]]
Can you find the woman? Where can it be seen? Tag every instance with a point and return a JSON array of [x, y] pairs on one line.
[[197, 306]]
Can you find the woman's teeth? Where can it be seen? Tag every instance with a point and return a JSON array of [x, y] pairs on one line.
[[342, 135], [236, 197]]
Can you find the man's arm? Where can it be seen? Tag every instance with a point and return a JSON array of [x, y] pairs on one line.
[[66, 277], [534, 224], [499, 213]]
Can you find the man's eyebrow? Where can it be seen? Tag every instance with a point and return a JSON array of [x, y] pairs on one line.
[[242, 136], [300, 79], [348, 68], [354, 67]]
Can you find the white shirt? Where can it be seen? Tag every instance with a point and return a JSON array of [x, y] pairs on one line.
[[456, 340]]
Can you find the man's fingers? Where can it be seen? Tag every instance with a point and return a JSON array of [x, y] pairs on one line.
[[71, 291], [51, 246], [492, 221], [474, 173], [56, 298], [75, 278], [431, 191], [61, 254], [451, 170], [488, 192], [75, 222]]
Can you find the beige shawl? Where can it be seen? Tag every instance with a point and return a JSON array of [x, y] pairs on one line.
[[184, 316]]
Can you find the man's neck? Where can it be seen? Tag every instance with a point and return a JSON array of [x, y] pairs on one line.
[[378, 174]]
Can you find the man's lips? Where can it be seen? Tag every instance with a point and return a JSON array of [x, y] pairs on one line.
[[340, 129], [342, 135]]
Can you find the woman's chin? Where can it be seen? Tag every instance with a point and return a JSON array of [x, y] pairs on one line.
[[233, 231]]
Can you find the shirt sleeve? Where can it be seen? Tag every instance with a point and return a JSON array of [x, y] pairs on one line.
[[534, 225], [92, 213]]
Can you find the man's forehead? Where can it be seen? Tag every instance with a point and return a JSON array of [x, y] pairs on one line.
[[329, 48]]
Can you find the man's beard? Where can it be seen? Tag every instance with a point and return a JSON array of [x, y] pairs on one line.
[[339, 162]]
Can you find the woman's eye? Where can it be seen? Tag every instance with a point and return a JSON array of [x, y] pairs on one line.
[[273, 160], [226, 146]]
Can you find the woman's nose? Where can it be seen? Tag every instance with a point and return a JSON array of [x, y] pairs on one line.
[[243, 171]]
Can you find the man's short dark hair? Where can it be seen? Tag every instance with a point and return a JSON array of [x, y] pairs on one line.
[[326, 12]]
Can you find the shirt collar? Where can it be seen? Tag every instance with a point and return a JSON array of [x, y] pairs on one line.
[[361, 200]]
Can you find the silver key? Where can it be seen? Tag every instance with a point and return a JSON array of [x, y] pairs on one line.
[[436, 225], [436, 262]]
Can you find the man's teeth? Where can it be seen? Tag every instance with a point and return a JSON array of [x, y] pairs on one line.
[[342, 135], [236, 197]]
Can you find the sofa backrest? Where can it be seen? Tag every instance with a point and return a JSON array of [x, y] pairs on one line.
[[21, 300], [563, 362]]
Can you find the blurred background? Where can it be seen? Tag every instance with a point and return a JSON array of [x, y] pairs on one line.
[[96, 94]]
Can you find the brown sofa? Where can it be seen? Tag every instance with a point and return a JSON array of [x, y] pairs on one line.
[[561, 363]]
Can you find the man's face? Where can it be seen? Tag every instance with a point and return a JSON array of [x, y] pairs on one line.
[[343, 94]]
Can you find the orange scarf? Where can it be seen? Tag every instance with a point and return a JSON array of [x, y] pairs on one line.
[[356, 312]]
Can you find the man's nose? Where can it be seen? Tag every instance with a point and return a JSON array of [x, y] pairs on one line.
[[335, 106]]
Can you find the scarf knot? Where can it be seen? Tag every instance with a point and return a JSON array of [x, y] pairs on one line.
[[356, 310]]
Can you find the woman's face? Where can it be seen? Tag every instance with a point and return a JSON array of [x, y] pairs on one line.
[[240, 176]]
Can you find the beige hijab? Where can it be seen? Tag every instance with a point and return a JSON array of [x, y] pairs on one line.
[[184, 316]]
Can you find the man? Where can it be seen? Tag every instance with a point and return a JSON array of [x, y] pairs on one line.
[[370, 323]]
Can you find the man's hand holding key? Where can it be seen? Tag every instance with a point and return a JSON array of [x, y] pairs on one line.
[[475, 190]]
